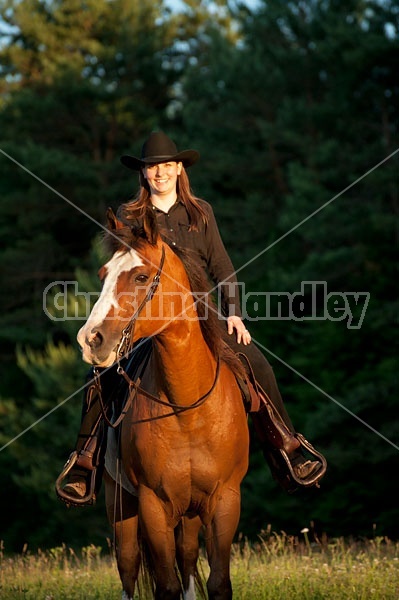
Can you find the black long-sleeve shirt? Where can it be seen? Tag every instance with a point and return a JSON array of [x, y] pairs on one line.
[[205, 246]]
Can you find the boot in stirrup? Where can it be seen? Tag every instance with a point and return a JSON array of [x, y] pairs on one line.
[[80, 478], [80, 472], [286, 451]]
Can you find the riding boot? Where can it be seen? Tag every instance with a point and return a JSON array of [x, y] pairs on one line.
[[290, 456], [80, 480], [284, 449], [105, 392], [293, 461]]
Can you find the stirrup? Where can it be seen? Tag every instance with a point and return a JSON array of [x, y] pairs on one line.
[[315, 478], [86, 500]]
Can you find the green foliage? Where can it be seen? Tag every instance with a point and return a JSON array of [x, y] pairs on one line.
[[292, 106], [38, 435]]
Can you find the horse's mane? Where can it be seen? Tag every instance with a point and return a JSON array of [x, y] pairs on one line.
[[208, 313], [135, 232], [132, 231]]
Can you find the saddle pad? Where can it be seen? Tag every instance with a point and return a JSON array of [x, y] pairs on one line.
[[135, 367], [114, 466]]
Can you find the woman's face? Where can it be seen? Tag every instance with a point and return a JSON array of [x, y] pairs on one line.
[[162, 177]]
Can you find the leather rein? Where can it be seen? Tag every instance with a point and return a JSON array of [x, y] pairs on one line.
[[124, 347]]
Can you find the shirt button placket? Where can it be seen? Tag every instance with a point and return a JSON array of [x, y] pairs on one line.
[[169, 226]]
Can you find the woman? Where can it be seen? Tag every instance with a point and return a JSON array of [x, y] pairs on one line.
[[188, 222]]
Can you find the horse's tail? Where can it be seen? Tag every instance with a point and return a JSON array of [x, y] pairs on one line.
[[200, 583], [147, 574]]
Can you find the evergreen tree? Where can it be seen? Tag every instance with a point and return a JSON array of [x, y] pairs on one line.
[[38, 433], [80, 84], [289, 105], [301, 109]]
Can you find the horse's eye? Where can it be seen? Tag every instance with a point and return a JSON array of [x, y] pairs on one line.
[[141, 278]]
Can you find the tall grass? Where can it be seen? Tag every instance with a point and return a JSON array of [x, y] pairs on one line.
[[278, 567]]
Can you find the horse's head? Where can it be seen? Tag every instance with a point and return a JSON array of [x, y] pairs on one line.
[[128, 307]]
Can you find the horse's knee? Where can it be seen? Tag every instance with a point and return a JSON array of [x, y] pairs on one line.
[[129, 564]]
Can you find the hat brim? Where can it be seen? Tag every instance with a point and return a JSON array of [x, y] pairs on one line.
[[187, 157]]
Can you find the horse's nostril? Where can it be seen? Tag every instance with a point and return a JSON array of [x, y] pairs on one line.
[[95, 340]]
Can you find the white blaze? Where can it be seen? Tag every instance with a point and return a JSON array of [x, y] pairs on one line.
[[120, 262]]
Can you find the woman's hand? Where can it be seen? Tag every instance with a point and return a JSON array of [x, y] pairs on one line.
[[243, 335]]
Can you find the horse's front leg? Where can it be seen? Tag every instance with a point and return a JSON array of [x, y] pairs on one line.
[[219, 538], [158, 532], [122, 511]]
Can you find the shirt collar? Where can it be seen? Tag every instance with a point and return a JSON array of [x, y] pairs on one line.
[[172, 208]]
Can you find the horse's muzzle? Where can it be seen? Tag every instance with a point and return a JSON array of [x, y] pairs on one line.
[[95, 339], [93, 348]]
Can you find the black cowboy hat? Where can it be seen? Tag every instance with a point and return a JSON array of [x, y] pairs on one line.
[[157, 149]]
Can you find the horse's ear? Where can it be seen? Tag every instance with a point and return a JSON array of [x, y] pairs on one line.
[[112, 221], [150, 226]]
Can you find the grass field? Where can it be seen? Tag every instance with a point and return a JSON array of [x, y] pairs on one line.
[[278, 567]]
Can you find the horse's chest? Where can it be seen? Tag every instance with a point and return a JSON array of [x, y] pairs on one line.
[[167, 461]]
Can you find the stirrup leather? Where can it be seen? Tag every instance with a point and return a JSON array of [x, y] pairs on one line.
[[86, 500]]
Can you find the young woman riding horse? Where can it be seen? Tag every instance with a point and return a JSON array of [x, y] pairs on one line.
[[188, 222], [184, 439]]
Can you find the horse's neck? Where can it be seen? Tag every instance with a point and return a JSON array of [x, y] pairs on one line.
[[185, 365]]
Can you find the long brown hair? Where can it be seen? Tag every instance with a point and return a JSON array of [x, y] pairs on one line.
[[142, 200]]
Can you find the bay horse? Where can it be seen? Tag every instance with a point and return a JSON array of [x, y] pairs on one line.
[[184, 440]]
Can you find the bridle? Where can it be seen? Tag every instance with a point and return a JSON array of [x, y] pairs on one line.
[[125, 344], [124, 347]]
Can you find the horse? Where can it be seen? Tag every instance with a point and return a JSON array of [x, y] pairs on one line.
[[184, 441]]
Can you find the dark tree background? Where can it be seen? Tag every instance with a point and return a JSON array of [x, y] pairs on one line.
[[294, 107]]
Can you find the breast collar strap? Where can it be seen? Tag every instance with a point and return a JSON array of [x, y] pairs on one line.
[[125, 343]]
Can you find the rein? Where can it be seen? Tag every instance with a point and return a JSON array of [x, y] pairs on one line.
[[177, 408], [124, 347], [135, 386]]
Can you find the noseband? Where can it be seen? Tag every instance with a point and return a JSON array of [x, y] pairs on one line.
[[125, 344]]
